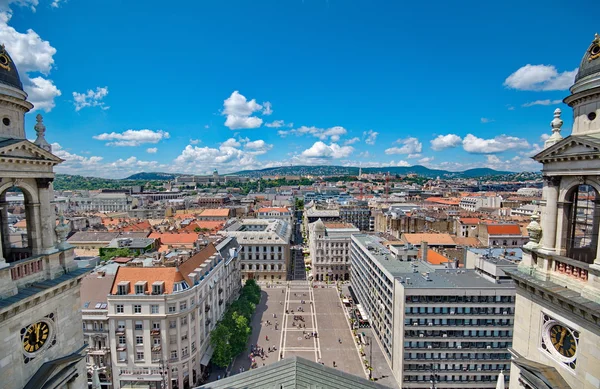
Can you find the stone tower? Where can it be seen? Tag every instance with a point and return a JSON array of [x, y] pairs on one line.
[[556, 341], [40, 324]]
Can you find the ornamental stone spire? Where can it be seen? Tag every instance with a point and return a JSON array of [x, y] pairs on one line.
[[40, 130], [556, 124]]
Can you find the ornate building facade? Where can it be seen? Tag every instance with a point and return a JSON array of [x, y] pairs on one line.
[[41, 334], [557, 321]]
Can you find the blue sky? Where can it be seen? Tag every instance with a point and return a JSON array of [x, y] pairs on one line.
[[198, 85]]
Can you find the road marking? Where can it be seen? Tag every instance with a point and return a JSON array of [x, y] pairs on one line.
[[283, 326], [313, 311]]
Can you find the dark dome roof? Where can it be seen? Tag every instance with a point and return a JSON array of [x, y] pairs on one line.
[[8, 71], [590, 64]]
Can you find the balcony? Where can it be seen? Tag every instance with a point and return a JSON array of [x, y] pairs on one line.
[[156, 348], [155, 332], [120, 331], [99, 351], [95, 330], [121, 347]]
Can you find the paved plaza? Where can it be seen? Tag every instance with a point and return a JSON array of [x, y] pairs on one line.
[[322, 313]]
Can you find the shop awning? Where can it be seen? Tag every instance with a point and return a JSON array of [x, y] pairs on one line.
[[207, 356], [362, 311]]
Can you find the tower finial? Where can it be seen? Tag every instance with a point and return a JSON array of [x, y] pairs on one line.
[[40, 130], [556, 125]]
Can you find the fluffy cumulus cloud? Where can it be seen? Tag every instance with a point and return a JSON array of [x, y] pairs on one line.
[[91, 98], [540, 78], [132, 137], [152, 150], [352, 141], [408, 146], [267, 108], [445, 142], [370, 137], [194, 141], [33, 56], [239, 110], [278, 124], [257, 147], [542, 102], [332, 133], [475, 145], [426, 160], [321, 150]]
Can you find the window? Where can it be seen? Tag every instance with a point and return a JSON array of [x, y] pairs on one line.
[[192, 301], [172, 308], [173, 354], [139, 340], [172, 323], [121, 339], [183, 321], [137, 308], [139, 325], [184, 351], [140, 289], [153, 308], [120, 308], [184, 337], [156, 325], [139, 355], [182, 306], [156, 341]]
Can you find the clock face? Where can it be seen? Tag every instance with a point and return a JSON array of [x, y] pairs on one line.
[[36, 336], [563, 340]]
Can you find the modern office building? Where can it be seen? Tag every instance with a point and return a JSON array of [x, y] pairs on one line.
[[557, 320], [329, 245], [265, 248], [160, 318], [438, 327], [41, 336]]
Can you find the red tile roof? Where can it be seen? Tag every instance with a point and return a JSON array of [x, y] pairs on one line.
[[469, 220], [170, 275], [223, 212], [183, 238], [503, 229]]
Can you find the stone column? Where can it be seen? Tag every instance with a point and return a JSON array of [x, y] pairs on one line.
[[2, 260], [47, 214], [549, 212], [34, 228], [4, 227]]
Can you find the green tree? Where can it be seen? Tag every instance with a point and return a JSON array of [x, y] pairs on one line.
[[240, 331], [220, 341]]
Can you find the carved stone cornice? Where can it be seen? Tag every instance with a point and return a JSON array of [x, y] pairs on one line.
[[14, 102], [578, 100], [552, 181], [44, 182]]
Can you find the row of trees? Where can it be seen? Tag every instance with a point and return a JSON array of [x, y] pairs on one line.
[[231, 334]]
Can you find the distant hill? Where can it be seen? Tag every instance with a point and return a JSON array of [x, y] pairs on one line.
[[325, 170], [155, 176]]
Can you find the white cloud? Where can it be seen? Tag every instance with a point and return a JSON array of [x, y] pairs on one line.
[[445, 142], [412, 156], [540, 78], [257, 147], [194, 141], [267, 108], [231, 142], [352, 141], [239, 110], [364, 154], [542, 102], [332, 133], [409, 146], [42, 93], [275, 124], [475, 145], [321, 150], [426, 160], [487, 120], [510, 107], [56, 3], [544, 137], [133, 137], [90, 98], [151, 150], [31, 55], [370, 137]]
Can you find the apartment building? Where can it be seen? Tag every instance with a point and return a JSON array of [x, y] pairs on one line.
[[446, 327], [275, 213], [358, 214], [160, 318], [329, 245], [94, 309], [265, 247], [474, 203], [102, 202]]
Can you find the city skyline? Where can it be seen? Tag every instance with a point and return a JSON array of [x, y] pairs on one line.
[[310, 82]]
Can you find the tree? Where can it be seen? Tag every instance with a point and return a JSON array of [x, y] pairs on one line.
[[240, 331], [299, 204], [219, 340]]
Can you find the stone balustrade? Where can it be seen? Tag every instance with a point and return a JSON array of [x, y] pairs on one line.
[[25, 268]]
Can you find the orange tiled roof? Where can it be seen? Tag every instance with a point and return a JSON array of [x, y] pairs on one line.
[[469, 220], [224, 212], [503, 229], [169, 275], [273, 209], [212, 225], [338, 225], [471, 242], [442, 200], [192, 263], [183, 238], [185, 216], [141, 226], [434, 257], [432, 239]]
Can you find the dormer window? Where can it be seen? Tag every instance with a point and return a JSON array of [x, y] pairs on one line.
[[158, 287], [123, 288], [140, 287]]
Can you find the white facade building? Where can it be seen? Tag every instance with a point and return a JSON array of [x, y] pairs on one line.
[[265, 247], [474, 203], [275, 213], [102, 202], [329, 245], [160, 318]]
